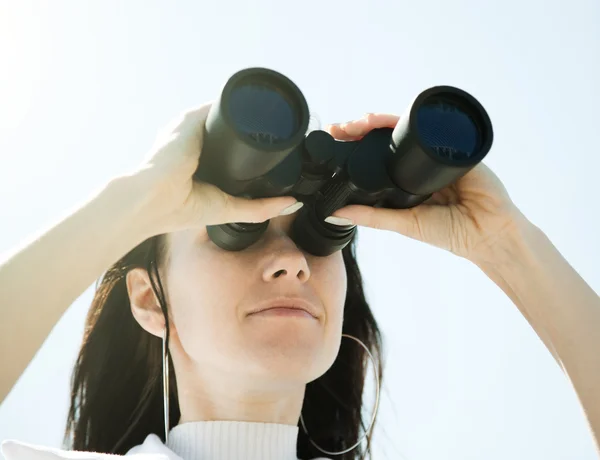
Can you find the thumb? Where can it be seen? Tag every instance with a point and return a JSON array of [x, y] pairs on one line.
[[258, 209], [407, 222], [222, 208]]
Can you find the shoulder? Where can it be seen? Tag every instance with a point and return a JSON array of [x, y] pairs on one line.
[[151, 449]]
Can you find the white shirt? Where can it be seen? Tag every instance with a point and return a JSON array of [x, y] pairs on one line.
[[207, 440]]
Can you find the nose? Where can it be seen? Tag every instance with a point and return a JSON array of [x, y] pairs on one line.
[[287, 264]]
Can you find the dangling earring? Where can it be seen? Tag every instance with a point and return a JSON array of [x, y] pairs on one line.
[[374, 411], [165, 372]]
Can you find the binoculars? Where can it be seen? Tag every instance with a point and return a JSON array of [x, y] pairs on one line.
[[256, 146]]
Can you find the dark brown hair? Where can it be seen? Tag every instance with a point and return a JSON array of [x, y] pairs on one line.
[[116, 388]]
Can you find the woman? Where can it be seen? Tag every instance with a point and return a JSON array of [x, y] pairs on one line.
[[243, 383]]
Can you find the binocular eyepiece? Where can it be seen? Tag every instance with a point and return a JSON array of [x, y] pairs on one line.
[[255, 145]]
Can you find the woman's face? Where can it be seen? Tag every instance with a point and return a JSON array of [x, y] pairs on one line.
[[211, 292]]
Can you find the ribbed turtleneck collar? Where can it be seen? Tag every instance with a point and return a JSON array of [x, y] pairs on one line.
[[228, 440]]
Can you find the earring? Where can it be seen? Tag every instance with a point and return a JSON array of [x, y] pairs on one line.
[[165, 368], [374, 411]]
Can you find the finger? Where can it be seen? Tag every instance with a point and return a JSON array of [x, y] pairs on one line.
[[224, 208], [260, 209], [403, 221], [356, 129], [381, 120], [190, 117], [341, 133], [188, 122]]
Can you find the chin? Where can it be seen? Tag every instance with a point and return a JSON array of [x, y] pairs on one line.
[[296, 361]]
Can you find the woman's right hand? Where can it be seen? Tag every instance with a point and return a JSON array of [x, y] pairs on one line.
[[176, 202]]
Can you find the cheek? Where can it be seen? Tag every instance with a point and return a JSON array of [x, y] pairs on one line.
[[204, 290], [332, 286], [334, 282], [330, 280]]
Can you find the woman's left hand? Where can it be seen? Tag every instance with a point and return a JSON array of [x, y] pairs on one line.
[[471, 218]]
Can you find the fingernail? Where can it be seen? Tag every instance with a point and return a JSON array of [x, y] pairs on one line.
[[291, 209], [338, 221]]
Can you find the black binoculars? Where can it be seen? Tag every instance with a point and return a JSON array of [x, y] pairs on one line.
[[256, 146]]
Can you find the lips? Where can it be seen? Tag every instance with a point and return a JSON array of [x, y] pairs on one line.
[[287, 303]]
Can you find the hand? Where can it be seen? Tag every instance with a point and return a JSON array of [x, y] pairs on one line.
[[469, 218], [176, 201]]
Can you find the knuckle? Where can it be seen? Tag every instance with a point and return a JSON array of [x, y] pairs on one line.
[[369, 117]]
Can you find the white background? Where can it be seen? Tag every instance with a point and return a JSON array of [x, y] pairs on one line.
[[84, 86]]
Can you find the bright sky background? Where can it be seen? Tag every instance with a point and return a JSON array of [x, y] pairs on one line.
[[84, 86]]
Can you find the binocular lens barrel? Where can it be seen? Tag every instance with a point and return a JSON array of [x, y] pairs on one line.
[[263, 113], [448, 130], [259, 118], [440, 137]]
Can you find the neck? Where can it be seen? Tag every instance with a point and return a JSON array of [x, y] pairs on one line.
[[203, 399]]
